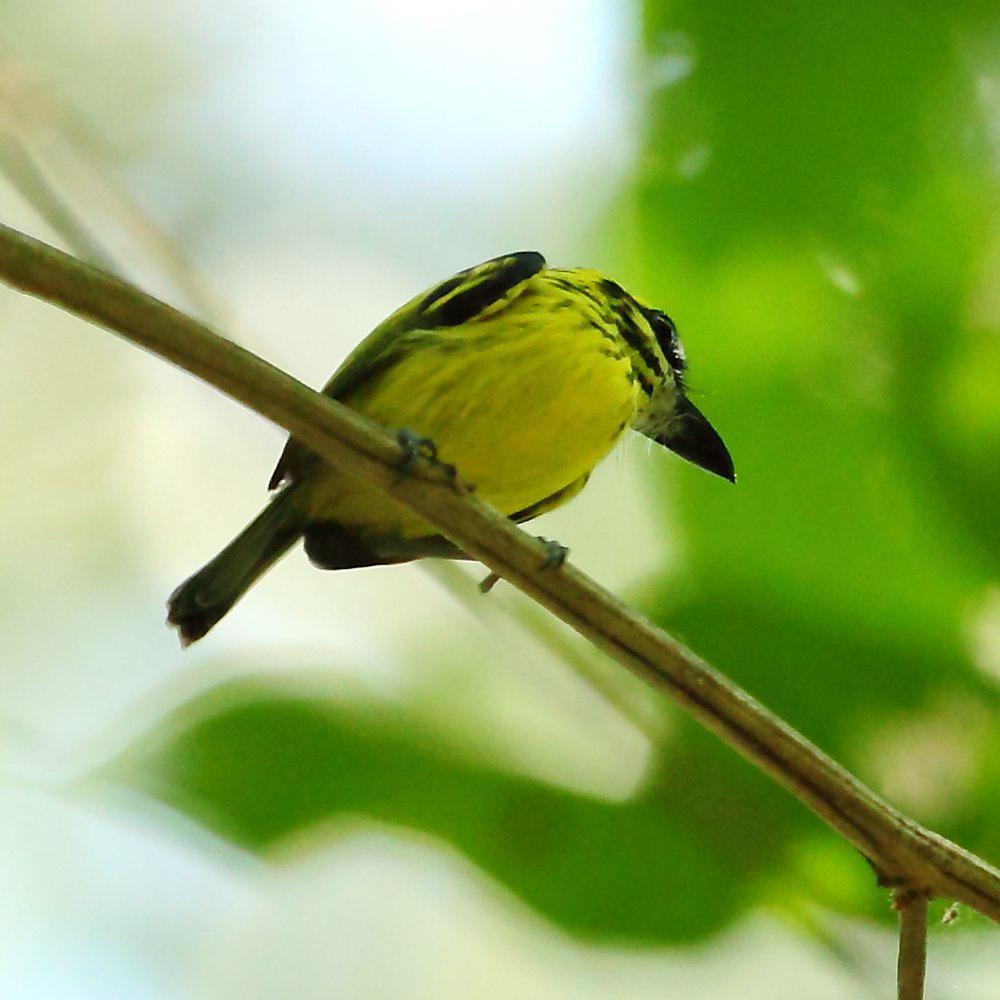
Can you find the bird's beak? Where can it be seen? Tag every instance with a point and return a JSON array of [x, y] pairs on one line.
[[691, 436]]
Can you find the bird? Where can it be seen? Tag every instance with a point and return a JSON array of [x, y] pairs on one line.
[[519, 375]]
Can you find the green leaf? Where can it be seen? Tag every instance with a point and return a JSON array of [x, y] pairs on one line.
[[256, 765]]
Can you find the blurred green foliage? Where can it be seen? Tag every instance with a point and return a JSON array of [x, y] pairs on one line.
[[816, 206], [257, 766], [833, 251]]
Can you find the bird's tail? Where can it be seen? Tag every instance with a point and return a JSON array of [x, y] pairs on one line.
[[201, 600]]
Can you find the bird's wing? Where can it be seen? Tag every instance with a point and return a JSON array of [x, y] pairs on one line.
[[448, 304], [336, 546], [550, 502]]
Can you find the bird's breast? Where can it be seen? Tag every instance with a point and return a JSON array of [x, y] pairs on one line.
[[520, 412]]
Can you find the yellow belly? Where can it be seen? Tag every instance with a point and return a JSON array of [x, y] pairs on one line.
[[520, 415]]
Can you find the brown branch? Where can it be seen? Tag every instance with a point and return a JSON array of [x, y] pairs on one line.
[[912, 962], [903, 853]]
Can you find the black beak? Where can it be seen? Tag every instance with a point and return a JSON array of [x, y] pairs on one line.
[[692, 437]]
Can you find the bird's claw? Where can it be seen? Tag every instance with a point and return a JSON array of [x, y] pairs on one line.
[[415, 447], [555, 554]]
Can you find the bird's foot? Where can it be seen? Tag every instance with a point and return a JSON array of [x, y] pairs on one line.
[[555, 554], [416, 447]]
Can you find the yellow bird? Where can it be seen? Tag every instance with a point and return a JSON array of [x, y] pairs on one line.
[[519, 375]]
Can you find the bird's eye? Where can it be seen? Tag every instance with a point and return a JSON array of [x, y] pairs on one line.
[[666, 337]]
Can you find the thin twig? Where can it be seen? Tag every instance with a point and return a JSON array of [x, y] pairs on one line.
[[17, 164], [912, 963], [901, 851], [58, 165]]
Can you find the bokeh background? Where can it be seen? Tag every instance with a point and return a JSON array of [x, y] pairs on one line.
[[378, 783]]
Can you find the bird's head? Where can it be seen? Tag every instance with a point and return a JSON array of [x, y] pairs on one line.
[[658, 360]]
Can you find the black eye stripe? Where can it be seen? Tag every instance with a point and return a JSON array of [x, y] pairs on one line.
[[666, 336]]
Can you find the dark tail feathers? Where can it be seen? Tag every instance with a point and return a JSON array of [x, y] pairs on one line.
[[200, 601]]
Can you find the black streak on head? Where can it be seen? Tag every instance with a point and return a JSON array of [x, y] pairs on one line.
[[635, 339]]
